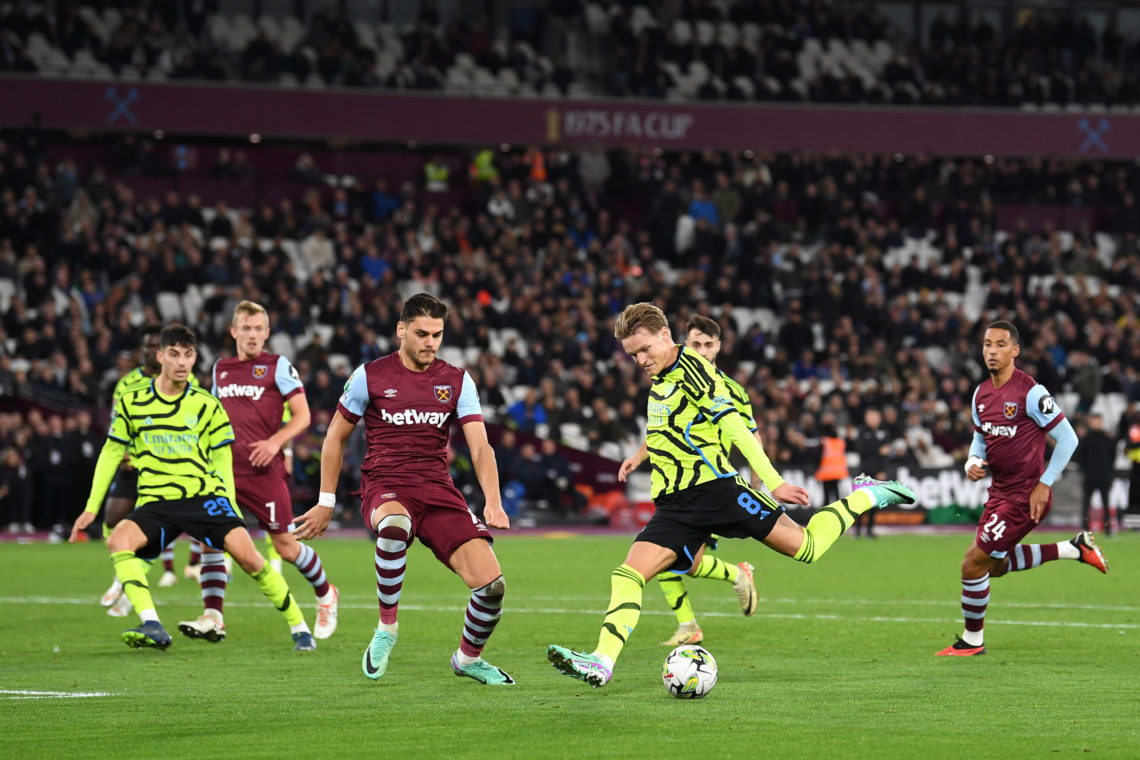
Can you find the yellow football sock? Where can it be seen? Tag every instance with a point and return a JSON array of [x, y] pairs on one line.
[[270, 550], [673, 587], [712, 567], [131, 572], [829, 523], [626, 585], [273, 585]]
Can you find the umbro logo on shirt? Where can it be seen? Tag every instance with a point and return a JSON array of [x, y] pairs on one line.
[[390, 392]]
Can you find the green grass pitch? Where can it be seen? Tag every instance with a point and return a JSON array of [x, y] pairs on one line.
[[837, 663]]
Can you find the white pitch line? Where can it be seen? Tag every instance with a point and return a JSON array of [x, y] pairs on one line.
[[950, 600], [598, 612], [10, 694], [952, 597]]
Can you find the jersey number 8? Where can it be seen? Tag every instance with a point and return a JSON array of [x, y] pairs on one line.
[[750, 503]]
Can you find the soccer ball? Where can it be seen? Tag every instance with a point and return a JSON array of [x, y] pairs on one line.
[[689, 672]]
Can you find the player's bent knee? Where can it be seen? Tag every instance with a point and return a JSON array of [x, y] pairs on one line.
[[287, 546], [497, 587], [240, 546], [126, 537], [397, 520], [250, 565]]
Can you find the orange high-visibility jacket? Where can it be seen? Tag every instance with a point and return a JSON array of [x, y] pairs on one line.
[[832, 460]]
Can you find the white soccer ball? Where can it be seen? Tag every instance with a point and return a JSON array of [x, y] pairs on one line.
[[689, 672]]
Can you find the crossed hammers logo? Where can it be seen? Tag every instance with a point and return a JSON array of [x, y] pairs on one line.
[[122, 105], [1093, 135]]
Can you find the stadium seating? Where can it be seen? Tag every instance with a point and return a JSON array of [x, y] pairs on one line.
[[829, 51]]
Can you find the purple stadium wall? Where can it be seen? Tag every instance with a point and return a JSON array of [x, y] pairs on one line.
[[206, 109]]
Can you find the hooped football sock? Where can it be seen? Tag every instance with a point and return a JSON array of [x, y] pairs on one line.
[[393, 535], [975, 599], [212, 578], [308, 562], [482, 615]]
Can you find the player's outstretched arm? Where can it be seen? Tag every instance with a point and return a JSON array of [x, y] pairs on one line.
[[105, 468], [754, 480], [315, 522], [749, 444], [633, 462], [487, 473]]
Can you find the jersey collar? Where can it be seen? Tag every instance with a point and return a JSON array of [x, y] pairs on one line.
[[157, 394], [681, 350]]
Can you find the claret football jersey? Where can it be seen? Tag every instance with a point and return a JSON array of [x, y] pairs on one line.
[[407, 415], [253, 392], [1014, 420]]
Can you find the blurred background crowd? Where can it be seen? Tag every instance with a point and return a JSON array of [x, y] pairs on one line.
[[849, 287], [991, 53]]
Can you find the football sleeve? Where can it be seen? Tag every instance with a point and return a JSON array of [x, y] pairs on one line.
[[738, 433], [1066, 439], [707, 390], [354, 399], [120, 427], [105, 469], [978, 444], [1043, 408], [743, 405], [287, 378], [468, 408]]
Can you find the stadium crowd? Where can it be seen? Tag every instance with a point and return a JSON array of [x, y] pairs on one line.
[[842, 282], [820, 51], [846, 52]]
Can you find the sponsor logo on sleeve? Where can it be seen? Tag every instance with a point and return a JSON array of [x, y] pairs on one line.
[[1047, 405]]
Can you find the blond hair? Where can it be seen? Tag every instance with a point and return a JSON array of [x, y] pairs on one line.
[[249, 308], [637, 316]]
